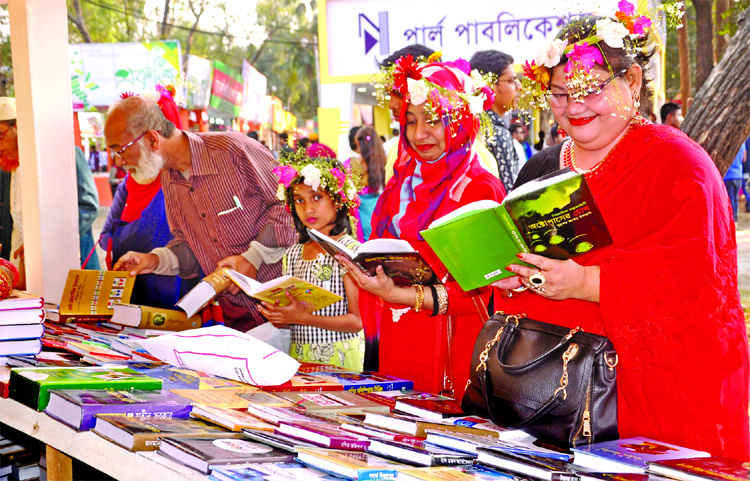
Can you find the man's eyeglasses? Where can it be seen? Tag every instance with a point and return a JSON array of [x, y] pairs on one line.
[[118, 154], [562, 100]]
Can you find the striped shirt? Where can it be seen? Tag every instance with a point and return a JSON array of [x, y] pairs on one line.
[[206, 229], [324, 271]]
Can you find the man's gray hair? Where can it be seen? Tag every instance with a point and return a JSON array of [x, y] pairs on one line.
[[142, 115]]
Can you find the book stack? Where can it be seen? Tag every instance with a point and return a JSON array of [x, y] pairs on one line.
[[19, 457], [21, 324]]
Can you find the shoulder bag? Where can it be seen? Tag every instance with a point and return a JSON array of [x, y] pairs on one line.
[[555, 383]]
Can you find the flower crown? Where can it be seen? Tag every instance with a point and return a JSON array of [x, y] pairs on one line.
[[410, 78], [317, 172], [618, 32]]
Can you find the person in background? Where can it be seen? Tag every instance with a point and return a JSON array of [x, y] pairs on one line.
[[556, 136], [88, 198], [665, 291], [321, 198], [500, 143], [671, 114], [116, 176], [540, 145], [253, 135], [137, 221], [427, 334], [303, 143], [519, 137], [318, 149], [284, 147], [373, 178], [220, 198], [94, 158], [733, 180], [391, 143], [746, 176]]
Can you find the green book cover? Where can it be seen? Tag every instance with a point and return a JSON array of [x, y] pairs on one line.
[[31, 386], [554, 216]]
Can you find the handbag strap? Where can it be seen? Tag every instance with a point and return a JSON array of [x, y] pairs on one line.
[[557, 397], [504, 342]]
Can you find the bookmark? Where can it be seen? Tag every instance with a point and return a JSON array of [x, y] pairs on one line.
[[237, 205]]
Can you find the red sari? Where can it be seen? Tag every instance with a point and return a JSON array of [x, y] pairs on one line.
[[669, 299]]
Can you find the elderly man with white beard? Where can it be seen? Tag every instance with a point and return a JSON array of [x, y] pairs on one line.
[[220, 198]]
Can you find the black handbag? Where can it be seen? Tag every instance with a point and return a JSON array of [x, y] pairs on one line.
[[555, 383]]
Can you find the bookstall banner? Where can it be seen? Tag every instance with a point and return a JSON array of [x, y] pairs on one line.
[[356, 34], [253, 107], [198, 76], [226, 91], [281, 120], [100, 72]]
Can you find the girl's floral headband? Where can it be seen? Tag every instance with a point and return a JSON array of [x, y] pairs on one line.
[[418, 84], [318, 173], [583, 55]]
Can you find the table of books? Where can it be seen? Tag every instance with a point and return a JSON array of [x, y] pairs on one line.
[[64, 443]]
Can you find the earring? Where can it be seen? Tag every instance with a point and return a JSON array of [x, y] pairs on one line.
[[561, 132], [637, 100]]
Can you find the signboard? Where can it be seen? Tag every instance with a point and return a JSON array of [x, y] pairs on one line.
[[254, 95], [198, 82], [100, 72], [356, 34], [226, 91]]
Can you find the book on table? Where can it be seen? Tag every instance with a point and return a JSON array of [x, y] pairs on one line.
[[327, 436], [361, 382], [231, 419], [31, 386], [137, 434], [146, 317], [554, 216], [378, 433], [21, 300], [331, 402], [427, 455], [434, 408], [522, 443], [291, 471], [89, 295], [355, 465], [278, 440], [454, 473], [397, 257], [33, 315], [712, 468], [414, 426], [270, 291], [629, 455], [536, 467], [305, 383], [218, 398], [202, 454], [78, 408], [21, 347]]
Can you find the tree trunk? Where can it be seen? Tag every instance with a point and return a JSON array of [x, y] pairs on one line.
[[165, 21], [721, 40], [79, 22], [191, 34], [704, 41], [719, 119], [684, 51]]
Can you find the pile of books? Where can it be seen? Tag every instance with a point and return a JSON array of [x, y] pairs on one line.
[[19, 458], [21, 324]]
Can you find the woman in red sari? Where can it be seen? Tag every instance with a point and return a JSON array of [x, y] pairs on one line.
[[427, 334], [665, 292]]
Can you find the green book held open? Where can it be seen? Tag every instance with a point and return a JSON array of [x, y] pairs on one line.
[[554, 216]]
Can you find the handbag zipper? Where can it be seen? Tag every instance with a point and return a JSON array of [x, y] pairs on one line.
[[585, 427]]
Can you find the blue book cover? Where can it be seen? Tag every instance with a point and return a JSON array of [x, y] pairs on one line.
[[354, 465], [629, 455], [365, 381]]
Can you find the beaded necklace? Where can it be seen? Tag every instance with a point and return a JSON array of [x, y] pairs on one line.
[[569, 157]]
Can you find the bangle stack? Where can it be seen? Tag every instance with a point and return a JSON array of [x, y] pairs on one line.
[[419, 300], [439, 299]]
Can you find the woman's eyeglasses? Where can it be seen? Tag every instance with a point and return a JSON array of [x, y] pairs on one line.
[[562, 100], [118, 154]]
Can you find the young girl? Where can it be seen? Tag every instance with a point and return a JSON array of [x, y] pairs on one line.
[[320, 192]]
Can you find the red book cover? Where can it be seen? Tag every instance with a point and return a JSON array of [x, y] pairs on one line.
[[713, 468], [323, 435], [304, 382]]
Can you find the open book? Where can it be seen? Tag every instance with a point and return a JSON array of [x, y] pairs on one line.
[[554, 216], [399, 259], [269, 291]]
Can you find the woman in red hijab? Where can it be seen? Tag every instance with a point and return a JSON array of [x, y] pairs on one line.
[[426, 334]]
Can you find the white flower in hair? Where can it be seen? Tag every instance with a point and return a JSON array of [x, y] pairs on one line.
[[350, 191], [550, 55], [478, 79], [151, 94], [281, 193], [476, 103], [611, 32], [312, 176], [418, 91]]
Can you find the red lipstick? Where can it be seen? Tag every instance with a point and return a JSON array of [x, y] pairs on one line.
[[580, 121]]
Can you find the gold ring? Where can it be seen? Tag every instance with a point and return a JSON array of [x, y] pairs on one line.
[[537, 279]]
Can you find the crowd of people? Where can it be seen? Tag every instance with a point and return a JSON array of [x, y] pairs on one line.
[[665, 291]]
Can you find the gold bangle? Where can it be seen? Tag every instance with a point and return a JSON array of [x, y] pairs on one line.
[[419, 300], [442, 299]]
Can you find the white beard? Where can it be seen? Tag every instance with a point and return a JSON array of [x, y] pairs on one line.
[[150, 164]]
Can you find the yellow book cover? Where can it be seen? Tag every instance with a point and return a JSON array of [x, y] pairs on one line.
[[218, 398], [275, 289], [146, 317], [438, 473], [89, 296]]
